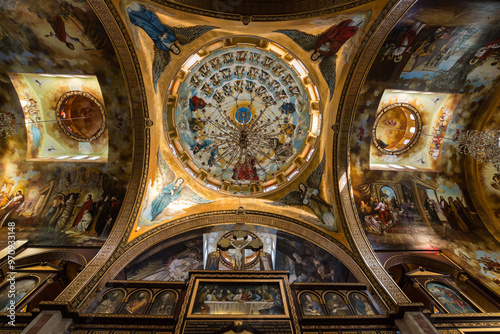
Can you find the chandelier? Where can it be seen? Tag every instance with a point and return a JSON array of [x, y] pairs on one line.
[[245, 118], [482, 146]]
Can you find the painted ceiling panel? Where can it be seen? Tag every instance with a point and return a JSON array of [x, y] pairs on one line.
[[49, 201], [442, 58]]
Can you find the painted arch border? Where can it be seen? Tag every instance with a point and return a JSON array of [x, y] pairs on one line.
[[355, 80], [172, 229]]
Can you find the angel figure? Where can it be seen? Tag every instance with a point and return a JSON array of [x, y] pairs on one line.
[[172, 191], [164, 37], [326, 45], [309, 196]]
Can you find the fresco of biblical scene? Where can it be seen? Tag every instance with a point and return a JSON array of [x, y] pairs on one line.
[[23, 288], [167, 197], [231, 99], [137, 302], [361, 304], [110, 302], [308, 195], [164, 303], [166, 39], [449, 299], [65, 117], [310, 304], [170, 264], [336, 304], [238, 298], [446, 66], [307, 262], [49, 202]]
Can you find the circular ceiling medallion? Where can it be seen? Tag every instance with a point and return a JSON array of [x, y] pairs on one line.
[[81, 116], [243, 118], [397, 128]]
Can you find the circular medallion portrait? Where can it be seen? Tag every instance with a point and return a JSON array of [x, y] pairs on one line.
[[245, 117], [397, 128], [81, 116]]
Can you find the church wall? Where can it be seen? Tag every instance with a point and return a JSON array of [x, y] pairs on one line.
[[431, 50], [62, 38]]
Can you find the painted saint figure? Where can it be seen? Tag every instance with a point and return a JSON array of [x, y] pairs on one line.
[[168, 194], [163, 37], [11, 207], [86, 207], [311, 307]]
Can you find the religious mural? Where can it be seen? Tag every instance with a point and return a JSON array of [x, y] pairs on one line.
[[166, 197], [307, 262], [308, 195], [223, 247], [166, 39], [170, 264], [449, 299], [243, 116], [419, 199], [48, 201], [326, 45], [65, 115]]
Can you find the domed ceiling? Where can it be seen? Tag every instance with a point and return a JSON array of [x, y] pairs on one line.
[[244, 121]]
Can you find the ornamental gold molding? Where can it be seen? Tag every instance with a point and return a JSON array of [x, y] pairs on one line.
[[355, 234]]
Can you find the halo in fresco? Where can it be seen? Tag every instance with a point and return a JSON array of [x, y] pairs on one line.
[[242, 122]]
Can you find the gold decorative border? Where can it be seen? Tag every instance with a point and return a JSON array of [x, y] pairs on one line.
[[355, 234], [124, 49], [307, 9]]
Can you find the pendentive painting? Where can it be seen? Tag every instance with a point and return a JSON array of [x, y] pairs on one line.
[[449, 299]]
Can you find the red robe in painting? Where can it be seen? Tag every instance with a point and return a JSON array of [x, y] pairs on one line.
[[245, 170], [86, 206], [336, 36]]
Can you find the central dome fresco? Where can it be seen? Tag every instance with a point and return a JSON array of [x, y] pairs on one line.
[[243, 116]]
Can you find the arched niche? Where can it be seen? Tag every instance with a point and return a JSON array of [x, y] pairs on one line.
[[413, 273], [157, 239]]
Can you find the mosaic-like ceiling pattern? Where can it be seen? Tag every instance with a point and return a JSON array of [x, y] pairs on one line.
[[245, 119]]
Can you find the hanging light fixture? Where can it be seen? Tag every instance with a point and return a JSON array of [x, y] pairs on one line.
[[482, 146]]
